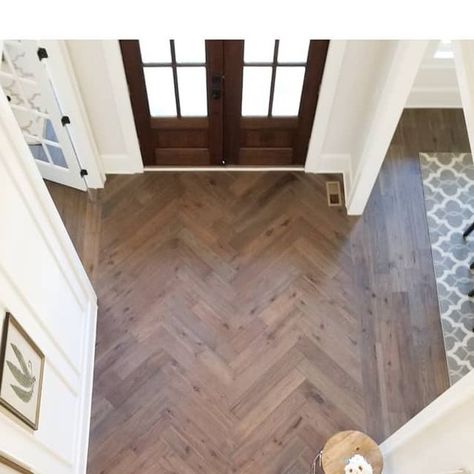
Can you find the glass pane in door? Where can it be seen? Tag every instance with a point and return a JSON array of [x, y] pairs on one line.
[[256, 91], [192, 91], [160, 91], [175, 77], [288, 87], [37, 150], [293, 50], [155, 51], [57, 156], [259, 50], [190, 51], [273, 76]]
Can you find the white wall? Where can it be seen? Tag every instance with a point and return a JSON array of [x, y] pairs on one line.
[[363, 93], [45, 287], [464, 62], [436, 84], [101, 79], [440, 439], [364, 62], [364, 90]]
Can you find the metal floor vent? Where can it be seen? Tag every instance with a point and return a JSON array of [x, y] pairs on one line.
[[333, 191]]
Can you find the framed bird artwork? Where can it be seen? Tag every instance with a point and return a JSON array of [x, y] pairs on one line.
[[21, 373]]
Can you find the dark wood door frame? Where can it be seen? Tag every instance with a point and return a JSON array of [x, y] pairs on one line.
[[132, 59], [233, 74], [215, 72], [170, 141], [312, 82], [225, 137], [290, 135]]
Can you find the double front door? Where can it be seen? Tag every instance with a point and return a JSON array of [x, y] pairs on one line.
[[232, 102]]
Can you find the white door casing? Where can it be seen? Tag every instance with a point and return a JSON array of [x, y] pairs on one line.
[[464, 64]]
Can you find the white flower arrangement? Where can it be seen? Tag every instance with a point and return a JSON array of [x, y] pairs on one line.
[[357, 464]]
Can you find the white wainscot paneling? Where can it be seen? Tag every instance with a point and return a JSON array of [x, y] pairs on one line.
[[58, 416], [50, 294], [44, 285]]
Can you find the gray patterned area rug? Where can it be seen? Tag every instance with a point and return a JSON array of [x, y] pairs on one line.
[[448, 182]]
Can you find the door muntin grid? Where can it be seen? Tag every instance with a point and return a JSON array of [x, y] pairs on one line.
[[175, 77], [273, 77]]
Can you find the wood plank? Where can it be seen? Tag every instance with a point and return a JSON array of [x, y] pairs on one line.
[[181, 156], [82, 216], [215, 71], [180, 139], [265, 156], [173, 123], [274, 123], [267, 138], [242, 321], [233, 73]]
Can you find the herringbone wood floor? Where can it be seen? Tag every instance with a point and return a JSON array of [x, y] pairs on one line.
[[242, 321]]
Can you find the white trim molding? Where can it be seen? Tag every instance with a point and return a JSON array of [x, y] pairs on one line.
[[464, 63], [85, 408], [118, 163], [228, 168], [427, 97], [316, 162], [394, 91], [131, 162]]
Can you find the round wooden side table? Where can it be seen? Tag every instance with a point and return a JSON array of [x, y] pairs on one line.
[[345, 444]]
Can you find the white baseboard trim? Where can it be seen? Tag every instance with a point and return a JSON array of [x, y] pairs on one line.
[[434, 98], [87, 385], [327, 96], [333, 163], [119, 87], [228, 168], [330, 163], [119, 164]]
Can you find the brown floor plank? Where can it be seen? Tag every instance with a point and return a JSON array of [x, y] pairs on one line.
[[242, 321], [81, 215]]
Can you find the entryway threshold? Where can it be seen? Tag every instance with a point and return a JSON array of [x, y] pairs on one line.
[[222, 168]]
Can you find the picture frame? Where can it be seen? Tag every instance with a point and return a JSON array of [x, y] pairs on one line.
[[7, 465], [21, 373]]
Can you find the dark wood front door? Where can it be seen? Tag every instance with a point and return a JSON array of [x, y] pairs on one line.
[[228, 102]]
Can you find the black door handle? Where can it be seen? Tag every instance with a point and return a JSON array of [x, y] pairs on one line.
[[216, 86]]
